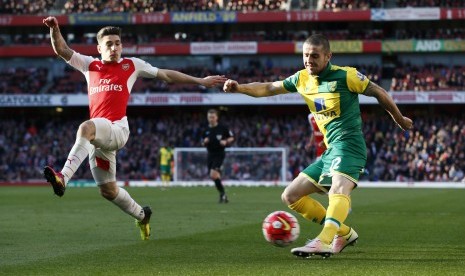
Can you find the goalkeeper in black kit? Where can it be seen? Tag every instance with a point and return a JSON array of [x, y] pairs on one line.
[[216, 138]]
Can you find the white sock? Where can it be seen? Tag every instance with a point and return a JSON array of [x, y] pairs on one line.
[[76, 156], [125, 202]]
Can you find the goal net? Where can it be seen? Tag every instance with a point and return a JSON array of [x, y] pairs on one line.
[[242, 166]]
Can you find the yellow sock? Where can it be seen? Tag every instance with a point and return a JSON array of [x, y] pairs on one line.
[[344, 229], [309, 209], [338, 210], [165, 179]]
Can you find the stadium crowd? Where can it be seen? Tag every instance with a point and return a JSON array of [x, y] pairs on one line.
[[237, 35], [430, 77], [25, 6], [406, 77], [32, 80], [430, 3], [19, 80], [433, 151], [149, 6], [336, 5]]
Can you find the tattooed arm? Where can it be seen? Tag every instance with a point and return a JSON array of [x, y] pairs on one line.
[[58, 42]]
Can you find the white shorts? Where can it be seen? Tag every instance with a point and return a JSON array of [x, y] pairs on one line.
[[109, 137]]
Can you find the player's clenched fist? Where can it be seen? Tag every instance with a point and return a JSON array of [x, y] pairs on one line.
[[230, 86], [406, 123], [50, 21]]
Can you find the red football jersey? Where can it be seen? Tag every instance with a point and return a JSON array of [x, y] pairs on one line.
[[318, 136], [110, 84]]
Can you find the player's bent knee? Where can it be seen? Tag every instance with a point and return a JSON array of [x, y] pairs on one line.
[[288, 198], [87, 130], [109, 191], [285, 199], [341, 185], [108, 194]]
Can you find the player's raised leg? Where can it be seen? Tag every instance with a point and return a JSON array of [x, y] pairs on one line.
[[76, 156], [102, 160], [143, 224], [296, 197], [121, 198], [126, 203], [103, 167], [56, 180]]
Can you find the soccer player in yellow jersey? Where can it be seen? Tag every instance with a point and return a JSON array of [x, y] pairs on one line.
[[166, 155], [331, 93]]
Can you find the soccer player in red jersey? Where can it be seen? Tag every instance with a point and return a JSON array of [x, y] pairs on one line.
[[316, 137], [110, 80]]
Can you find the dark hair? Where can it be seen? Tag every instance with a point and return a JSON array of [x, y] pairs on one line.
[[108, 30], [214, 111], [317, 40]]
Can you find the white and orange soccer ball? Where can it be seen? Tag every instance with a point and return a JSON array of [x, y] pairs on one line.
[[280, 228]]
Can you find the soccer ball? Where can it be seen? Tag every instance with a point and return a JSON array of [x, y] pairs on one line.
[[280, 228]]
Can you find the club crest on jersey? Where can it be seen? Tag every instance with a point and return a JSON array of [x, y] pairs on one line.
[[332, 85], [125, 66], [219, 137]]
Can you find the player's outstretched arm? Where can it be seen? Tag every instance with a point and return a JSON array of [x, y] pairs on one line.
[[374, 90], [255, 89], [58, 42], [172, 76]]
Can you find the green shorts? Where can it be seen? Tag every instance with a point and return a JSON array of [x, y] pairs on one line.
[[332, 162], [165, 169]]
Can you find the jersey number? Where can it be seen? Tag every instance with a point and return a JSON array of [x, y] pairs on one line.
[[335, 163]]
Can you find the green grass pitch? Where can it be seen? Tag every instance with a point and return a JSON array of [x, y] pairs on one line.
[[402, 232]]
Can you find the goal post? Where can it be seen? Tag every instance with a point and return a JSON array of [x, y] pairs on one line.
[[242, 166]]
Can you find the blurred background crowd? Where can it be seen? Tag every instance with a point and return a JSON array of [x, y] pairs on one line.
[[148, 6], [406, 77], [433, 151]]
